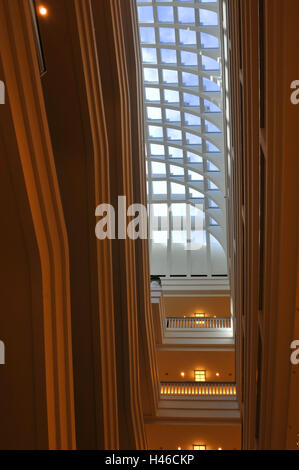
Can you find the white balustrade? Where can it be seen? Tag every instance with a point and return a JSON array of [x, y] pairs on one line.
[[195, 323], [198, 390]]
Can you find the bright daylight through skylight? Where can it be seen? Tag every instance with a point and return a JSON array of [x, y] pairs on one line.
[[181, 51]]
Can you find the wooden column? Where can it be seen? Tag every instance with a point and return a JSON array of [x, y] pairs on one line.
[[148, 357], [265, 63], [23, 405], [102, 177], [116, 92], [279, 140], [73, 98], [24, 90]]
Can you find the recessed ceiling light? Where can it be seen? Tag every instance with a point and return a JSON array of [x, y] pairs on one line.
[[43, 11]]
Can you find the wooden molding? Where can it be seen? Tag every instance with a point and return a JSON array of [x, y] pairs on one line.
[[148, 355], [102, 176], [34, 144], [116, 96]]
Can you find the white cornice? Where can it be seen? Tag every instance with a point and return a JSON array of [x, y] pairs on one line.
[[195, 287]]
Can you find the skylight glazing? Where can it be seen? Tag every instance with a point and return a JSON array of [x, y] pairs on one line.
[[181, 52]]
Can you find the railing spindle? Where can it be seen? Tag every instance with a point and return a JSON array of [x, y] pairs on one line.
[[197, 323]]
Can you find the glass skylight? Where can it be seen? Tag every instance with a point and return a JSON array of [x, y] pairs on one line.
[[182, 57]]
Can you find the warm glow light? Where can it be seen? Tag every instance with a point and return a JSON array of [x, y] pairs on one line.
[[199, 447], [179, 448], [219, 448], [217, 374], [182, 374], [199, 375], [43, 11]]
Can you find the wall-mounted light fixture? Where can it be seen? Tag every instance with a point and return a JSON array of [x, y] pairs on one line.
[[43, 11], [199, 375], [199, 447]]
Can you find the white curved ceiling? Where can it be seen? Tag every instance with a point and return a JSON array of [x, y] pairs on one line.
[[181, 51]]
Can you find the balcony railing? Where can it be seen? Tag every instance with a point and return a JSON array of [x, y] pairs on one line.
[[197, 390], [194, 323]]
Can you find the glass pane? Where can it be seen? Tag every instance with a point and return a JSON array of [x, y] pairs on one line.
[[209, 85], [146, 14], [154, 113], [167, 35], [171, 96], [172, 115], [165, 14], [195, 176], [186, 15], [174, 152], [212, 148], [191, 100], [177, 189], [211, 107], [188, 58], [155, 132], [210, 127], [212, 167], [193, 158], [152, 94], [147, 35], [168, 56], [158, 168], [192, 120], [149, 55], [209, 64], [174, 134], [151, 75], [193, 139], [208, 41], [188, 37], [159, 187], [157, 150], [176, 170], [208, 18], [170, 76], [189, 79]]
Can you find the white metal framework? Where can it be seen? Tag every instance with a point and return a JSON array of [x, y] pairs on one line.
[[181, 50]]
